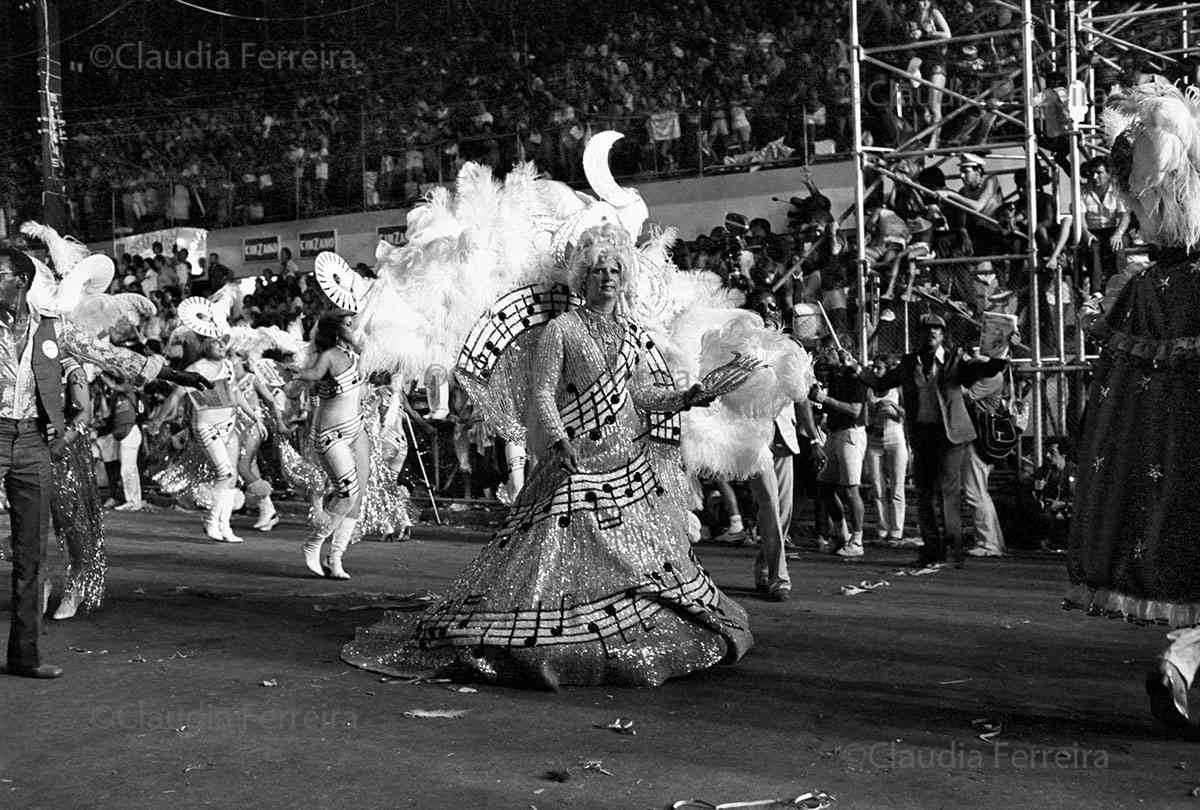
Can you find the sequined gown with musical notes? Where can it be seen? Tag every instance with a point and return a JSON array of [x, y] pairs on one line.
[[1134, 547], [592, 579]]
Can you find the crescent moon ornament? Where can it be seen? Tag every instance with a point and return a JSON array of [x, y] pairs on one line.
[[599, 173]]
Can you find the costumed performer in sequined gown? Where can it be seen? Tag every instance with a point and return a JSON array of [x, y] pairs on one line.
[[339, 439], [1134, 551], [214, 414], [592, 578], [75, 506], [386, 508]]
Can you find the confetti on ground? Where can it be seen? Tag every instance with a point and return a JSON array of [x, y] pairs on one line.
[[866, 586], [919, 572], [813, 800], [596, 765], [434, 714], [988, 729], [271, 682], [462, 690], [621, 726]]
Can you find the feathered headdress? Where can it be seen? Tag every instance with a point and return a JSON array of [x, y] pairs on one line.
[[75, 287], [1155, 159]]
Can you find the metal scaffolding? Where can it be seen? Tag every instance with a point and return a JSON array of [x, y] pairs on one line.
[[1075, 40]]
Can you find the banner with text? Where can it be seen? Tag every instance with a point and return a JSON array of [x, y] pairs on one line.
[[393, 234], [261, 249], [314, 242]]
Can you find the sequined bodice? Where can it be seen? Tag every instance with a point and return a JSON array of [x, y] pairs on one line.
[[594, 379], [608, 332], [343, 382]]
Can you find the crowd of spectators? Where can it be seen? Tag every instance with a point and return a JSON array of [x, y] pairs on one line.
[[691, 83]]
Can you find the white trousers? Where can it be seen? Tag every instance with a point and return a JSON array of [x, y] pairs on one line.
[[887, 465], [975, 472], [126, 450]]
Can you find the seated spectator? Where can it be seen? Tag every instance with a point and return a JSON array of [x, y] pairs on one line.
[[979, 194], [1054, 492], [1106, 219]]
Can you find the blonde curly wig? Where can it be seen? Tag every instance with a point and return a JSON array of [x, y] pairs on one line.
[[607, 240]]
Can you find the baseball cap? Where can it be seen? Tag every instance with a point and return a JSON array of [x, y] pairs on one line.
[[968, 159], [929, 319]]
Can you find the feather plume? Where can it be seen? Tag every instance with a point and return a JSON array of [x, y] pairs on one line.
[[1159, 163], [65, 251]]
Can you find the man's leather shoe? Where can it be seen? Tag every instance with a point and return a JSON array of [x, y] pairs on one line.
[[44, 671], [926, 560]]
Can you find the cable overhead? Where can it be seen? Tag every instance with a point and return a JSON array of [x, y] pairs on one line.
[[248, 18]]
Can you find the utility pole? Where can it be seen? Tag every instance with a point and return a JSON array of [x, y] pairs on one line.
[[50, 120]]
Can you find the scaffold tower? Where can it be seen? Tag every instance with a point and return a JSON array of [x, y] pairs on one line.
[[1070, 38]]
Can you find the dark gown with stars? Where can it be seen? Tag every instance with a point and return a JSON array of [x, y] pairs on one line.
[[592, 578], [1135, 531]]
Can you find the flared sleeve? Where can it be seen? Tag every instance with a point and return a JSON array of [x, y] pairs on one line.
[[132, 366], [651, 385]]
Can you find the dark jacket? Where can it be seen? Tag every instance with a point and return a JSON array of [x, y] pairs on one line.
[[955, 374]]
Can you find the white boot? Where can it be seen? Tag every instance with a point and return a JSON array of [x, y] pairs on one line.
[[212, 521], [227, 535], [337, 547], [69, 604], [267, 516], [318, 532]]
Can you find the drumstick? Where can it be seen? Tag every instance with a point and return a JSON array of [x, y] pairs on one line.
[[829, 325]]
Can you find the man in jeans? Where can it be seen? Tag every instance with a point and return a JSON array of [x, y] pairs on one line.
[[887, 457], [32, 428]]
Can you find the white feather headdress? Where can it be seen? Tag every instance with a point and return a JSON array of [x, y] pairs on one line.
[[1156, 160]]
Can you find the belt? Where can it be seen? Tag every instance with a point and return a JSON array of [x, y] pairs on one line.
[[21, 423]]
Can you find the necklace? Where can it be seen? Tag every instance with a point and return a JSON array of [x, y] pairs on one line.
[[606, 331]]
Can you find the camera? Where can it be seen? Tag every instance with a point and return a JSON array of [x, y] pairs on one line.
[[736, 229]]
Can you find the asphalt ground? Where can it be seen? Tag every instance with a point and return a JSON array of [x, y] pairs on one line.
[[211, 678]]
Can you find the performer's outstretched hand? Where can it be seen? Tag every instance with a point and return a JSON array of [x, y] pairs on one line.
[[188, 379], [565, 454]]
